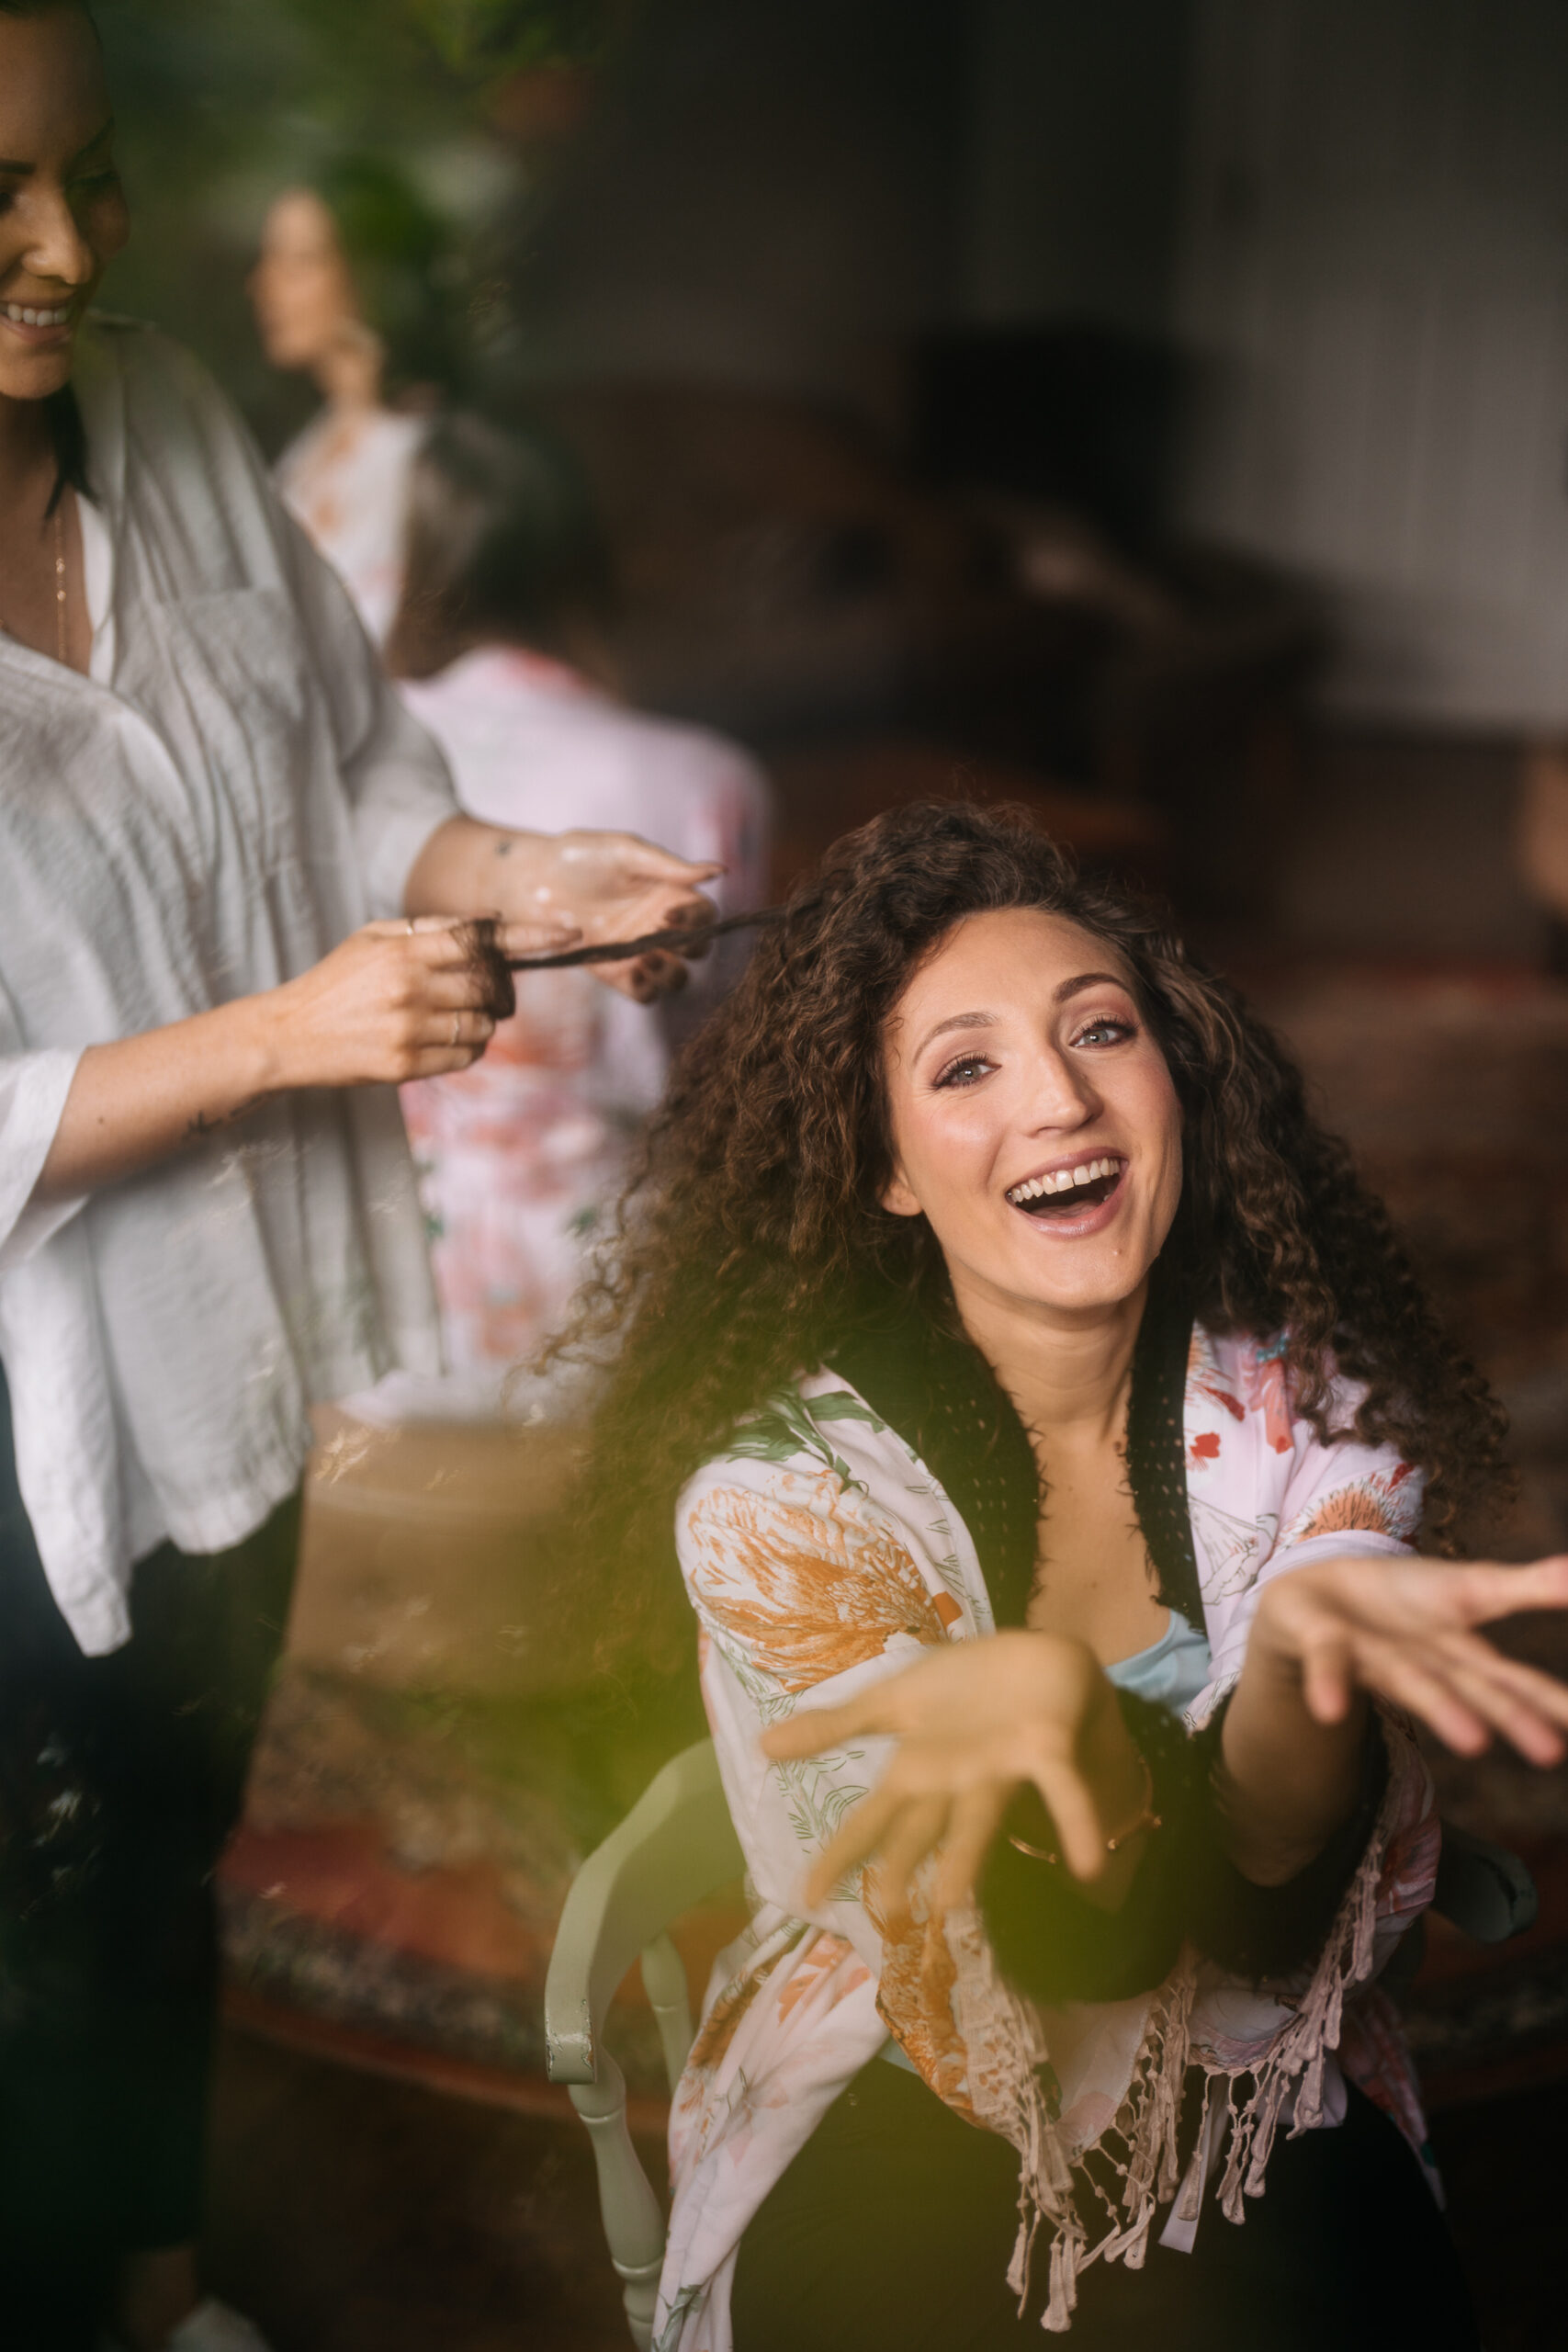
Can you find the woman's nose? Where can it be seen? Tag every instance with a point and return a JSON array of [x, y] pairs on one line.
[[56, 248], [1061, 1095]]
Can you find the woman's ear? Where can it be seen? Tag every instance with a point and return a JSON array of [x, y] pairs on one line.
[[897, 1198]]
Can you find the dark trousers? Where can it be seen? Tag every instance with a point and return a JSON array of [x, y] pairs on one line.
[[892, 2231], [120, 1779]]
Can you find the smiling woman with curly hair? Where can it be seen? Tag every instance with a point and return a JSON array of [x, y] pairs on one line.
[[1047, 1417]]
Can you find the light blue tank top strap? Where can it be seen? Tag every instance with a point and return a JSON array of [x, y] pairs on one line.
[[1171, 1671]]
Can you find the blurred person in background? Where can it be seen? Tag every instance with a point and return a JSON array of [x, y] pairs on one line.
[[353, 287], [498, 646], [235, 909]]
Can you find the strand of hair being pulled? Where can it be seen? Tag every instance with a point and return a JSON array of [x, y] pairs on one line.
[[619, 951]]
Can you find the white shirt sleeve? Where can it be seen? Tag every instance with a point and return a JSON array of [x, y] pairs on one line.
[[399, 788], [33, 1087]]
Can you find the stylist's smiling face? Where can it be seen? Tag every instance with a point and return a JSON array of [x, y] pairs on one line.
[[1034, 1120], [63, 214]]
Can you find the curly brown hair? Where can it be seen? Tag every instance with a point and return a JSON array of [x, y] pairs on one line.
[[753, 1233]]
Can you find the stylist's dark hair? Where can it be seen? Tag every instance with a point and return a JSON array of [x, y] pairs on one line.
[[503, 545], [406, 272], [754, 1231], [66, 433]]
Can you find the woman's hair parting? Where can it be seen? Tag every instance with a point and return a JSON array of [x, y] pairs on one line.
[[753, 1232], [502, 544]]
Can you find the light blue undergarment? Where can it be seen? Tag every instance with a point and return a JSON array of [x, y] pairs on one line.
[[1171, 1671]]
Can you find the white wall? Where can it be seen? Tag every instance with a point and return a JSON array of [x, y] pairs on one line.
[[1374, 275]]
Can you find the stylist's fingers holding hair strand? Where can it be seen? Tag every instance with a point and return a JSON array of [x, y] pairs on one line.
[[402, 1000]]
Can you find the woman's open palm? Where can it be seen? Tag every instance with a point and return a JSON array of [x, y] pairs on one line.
[[1406, 1630], [972, 1722]]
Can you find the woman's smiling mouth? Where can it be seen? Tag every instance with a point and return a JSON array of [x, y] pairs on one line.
[[38, 322], [1071, 1191]]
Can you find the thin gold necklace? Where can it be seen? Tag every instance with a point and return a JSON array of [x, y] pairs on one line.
[[59, 630]]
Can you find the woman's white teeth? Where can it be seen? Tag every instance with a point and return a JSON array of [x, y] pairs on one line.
[[22, 317], [1063, 1180]]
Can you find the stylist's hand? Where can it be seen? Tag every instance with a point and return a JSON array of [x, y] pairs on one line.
[[1406, 1631], [410, 999], [974, 1722], [616, 886]]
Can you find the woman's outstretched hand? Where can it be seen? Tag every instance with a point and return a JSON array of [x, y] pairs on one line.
[[974, 1722], [1406, 1631]]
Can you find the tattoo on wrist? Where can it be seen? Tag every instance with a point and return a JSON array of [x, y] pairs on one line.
[[203, 1125]]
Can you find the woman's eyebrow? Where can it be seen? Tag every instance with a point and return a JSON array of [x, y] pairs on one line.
[[1090, 980], [956, 1021], [24, 171], [105, 130]]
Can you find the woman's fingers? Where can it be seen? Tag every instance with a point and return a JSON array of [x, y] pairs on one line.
[[1527, 1684], [1488, 1592], [453, 939], [856, 1839], [649, 978], [812, 1731], [1327, 1675], [1410, 1681], [645, 862], [535, 938], [973, 1823], [911, 1834], [1071, 1806], [455, 1041], [464, 964], [1523, 1708]]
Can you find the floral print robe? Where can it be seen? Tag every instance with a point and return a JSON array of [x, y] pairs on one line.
[[819, 1555]]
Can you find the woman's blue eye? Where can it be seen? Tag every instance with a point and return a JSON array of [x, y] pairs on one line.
[[965, 1071], [1107, 1031]]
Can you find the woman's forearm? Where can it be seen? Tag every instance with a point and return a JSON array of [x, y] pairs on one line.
[[468, 868], [394, 1000], [142, 1099], [1286, 1782]]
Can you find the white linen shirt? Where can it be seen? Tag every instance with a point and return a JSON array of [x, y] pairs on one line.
[[231, 791]]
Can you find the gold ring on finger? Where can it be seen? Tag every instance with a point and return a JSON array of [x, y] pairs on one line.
[[456, 1026]]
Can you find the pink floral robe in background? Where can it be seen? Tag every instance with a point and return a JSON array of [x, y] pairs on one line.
[[518, 1157], [345, 478]]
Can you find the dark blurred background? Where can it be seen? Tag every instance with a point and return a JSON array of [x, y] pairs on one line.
[[1156, 410]]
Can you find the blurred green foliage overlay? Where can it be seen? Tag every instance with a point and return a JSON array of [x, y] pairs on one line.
[[222, 102]]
